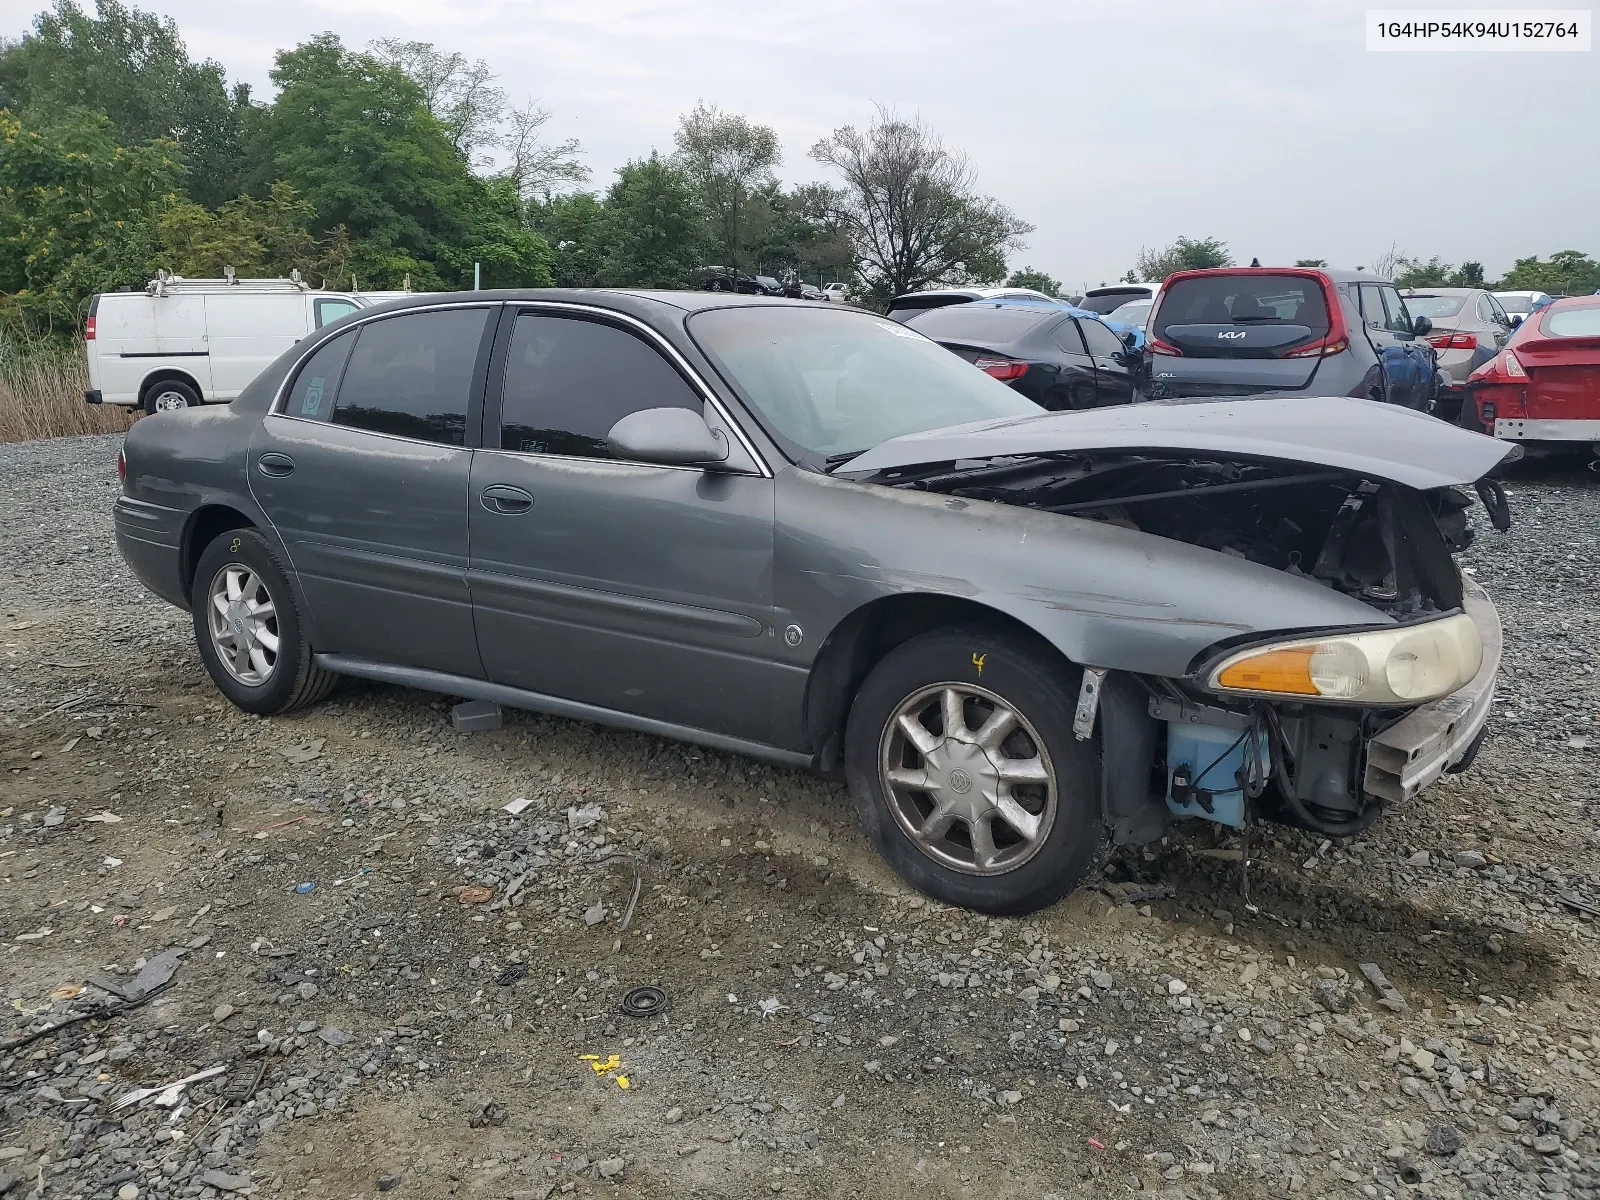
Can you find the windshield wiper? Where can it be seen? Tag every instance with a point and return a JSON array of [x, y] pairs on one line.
[[834, 461]]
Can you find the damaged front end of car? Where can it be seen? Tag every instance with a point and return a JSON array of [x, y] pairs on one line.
[[1318, 728]]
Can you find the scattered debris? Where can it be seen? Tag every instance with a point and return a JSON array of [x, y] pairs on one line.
[[474, 893], [106, 817], [243, 1081], [595, 913], [475, 716], [1387, 995], [587, 817], [304, 752], [517, 805], [306, 888], [1443, 1140], [152, 977], [163, 1090], [511, 974], [644, 1001]]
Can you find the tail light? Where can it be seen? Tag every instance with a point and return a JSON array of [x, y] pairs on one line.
[[1322, 349], [1504, 367], [1003, 369], [1445, 340], [88, 329], [122, 466], [1157, 346]]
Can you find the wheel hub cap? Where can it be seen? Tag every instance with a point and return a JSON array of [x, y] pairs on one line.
[[243, 620], [968, 779]]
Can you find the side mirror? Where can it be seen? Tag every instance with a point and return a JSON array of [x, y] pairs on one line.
[[1421, 326], [1515, 321], [673, 437]]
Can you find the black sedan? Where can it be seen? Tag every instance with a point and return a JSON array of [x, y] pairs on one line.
[[1052, 357]]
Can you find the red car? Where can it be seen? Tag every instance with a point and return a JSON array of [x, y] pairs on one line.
[[1545, 385]]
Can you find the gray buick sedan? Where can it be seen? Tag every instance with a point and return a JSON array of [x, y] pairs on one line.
[[813, 536]]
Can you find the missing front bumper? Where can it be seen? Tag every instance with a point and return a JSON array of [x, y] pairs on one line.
[[1417, 749]]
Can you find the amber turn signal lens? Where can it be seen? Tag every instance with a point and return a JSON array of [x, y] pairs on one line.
[[1286, 671]]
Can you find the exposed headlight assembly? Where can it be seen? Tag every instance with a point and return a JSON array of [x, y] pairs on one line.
[[1388, 666]]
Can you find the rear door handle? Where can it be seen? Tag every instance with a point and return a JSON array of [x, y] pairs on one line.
[[275, 464], [506, 500]]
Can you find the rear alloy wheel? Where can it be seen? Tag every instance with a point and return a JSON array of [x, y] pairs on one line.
[[171, 396], [248, 628], [960, 753]]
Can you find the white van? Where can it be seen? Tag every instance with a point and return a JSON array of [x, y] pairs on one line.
[[196, 341]]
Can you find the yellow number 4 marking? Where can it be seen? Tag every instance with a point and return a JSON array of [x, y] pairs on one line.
[[978, 660]]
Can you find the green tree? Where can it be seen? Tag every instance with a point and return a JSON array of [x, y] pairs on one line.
[[133, 67], [1185, 254], [509, 253], [1413, 273], [1037, 280], [726, 159], [1470, 274], [576, 229], [912, 208], [78, 213], [1310, 262], [1565, 273], [652, 228], [256, 238]]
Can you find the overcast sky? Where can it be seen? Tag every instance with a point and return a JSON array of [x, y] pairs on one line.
[[1109, 126]]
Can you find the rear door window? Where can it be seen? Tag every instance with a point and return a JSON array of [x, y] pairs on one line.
[[1102, 341], [1372, 309], [985, 324], [311, 398], [411, 375], [1222, 299], [569, 380]]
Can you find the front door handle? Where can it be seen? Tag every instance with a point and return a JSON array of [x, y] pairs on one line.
[[275, 464], [506, 500]]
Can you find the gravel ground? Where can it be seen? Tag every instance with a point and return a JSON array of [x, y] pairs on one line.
[[429, 986]]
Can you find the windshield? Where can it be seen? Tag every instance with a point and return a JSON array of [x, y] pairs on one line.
[[1135, 312], [824, 384], [1516, 305], [1434, 306], [1107, 303]]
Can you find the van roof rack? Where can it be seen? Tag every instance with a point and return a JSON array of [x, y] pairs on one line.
[[166, 284]]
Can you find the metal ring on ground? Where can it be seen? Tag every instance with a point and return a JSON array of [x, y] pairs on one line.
[[644, 1001]]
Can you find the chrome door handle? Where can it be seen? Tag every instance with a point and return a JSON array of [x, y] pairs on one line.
[[505, 500], [275, 464]]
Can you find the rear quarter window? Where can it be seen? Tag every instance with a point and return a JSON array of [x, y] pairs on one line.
[[980, 323], [1217, 299], [1571, 322]]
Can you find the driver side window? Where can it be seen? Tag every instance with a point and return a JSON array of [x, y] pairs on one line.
[[569, 380], [1399, 316]]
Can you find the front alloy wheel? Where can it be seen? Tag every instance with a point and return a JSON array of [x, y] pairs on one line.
[[960, 755], [968, 779]]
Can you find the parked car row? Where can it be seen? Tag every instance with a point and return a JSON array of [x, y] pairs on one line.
[[726, 279], [1543, 388]]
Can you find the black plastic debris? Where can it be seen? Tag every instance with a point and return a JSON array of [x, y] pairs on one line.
[[644, 1001]]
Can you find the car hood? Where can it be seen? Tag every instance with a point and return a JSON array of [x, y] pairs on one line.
[[1380, 441]]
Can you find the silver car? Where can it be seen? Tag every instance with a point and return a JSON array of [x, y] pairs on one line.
[[1470, 327]]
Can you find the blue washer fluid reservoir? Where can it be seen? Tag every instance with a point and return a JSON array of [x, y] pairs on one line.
[[1205, 759]]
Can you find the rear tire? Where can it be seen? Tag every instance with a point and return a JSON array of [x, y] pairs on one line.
[[1009, 821], [248, 628], [169, 396]]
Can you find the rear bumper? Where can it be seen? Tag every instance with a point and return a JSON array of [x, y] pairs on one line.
[[150, 538], [1525, 429], [1421, 746]]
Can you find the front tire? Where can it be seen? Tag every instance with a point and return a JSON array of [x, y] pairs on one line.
[[247, 625], [960, 755]]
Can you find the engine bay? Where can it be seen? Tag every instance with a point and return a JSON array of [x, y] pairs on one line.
[[1386, 544]]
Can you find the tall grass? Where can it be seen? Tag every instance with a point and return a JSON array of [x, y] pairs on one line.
[[41, 393]]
